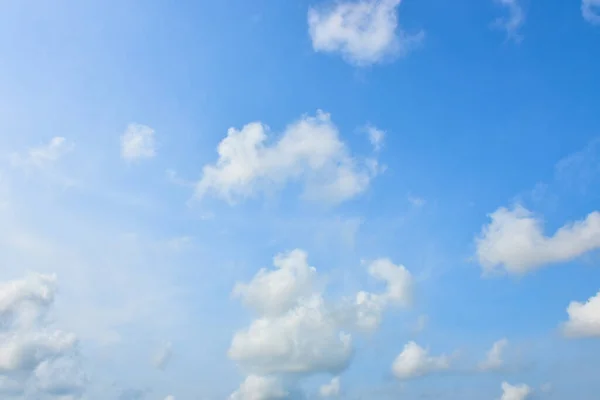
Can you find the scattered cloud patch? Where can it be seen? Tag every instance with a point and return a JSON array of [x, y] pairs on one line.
[[138, 142], [309, 150], [163, 356], [590, 10], [517, 392], [331, 389], [364, 32], [376, 137], [494, 360], [415, 361], [584, 318], [260, 388], [369, 307], [514, 241], [513, 22], [416, 201], [43, 156]]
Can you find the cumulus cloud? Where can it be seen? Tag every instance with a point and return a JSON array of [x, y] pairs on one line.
[[513, 22], [35, 359], [260, 388], [514, 240], [517, 392], [331, 389], [584, 318], [369, 307], [309, 151], [295, 330], [494, 358], [273, 292], [590, 10], [163, 356], [43, 156], [415, 361], [138, 142], [364, 32]]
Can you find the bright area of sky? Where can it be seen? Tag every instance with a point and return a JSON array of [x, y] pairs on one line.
[[259, 200]]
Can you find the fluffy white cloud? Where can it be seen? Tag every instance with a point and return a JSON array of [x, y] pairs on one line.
[[296, 331], [517, 392], [415, 361], [309, 150], [584, 318], [43, 156], [273, 292], [163, 356], [369, 307], [591, 10], [331, 389], [33, 357], [170, 397], [514, 21], [364, 32], [494, 358], [260, 388], [305, 339], [515, 241], [138, 142]]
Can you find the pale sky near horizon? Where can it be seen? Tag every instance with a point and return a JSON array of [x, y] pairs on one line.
[[268, 200]]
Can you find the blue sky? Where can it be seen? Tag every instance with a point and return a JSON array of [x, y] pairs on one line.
[[437, 163]]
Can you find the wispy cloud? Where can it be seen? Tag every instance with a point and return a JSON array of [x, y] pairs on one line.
[[513, 22], [590, 10]]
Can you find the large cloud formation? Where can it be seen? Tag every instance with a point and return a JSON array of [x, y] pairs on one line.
[[515, 242], [36, 361], [296, 331], [308, 151]]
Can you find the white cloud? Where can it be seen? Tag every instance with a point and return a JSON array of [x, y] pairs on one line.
[[376, 137], [296, 331], [331, 389], [43, 156], [369, 307], [584, 318], [273, 292], [309, 150], [163, 356], [35, 358], [138, 142], [514, 240], [517, 392], [415, 361], [260, 388], [305, 339], [170, 397], [514, 21], [590, 10], [494, 358], [364, 32]]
